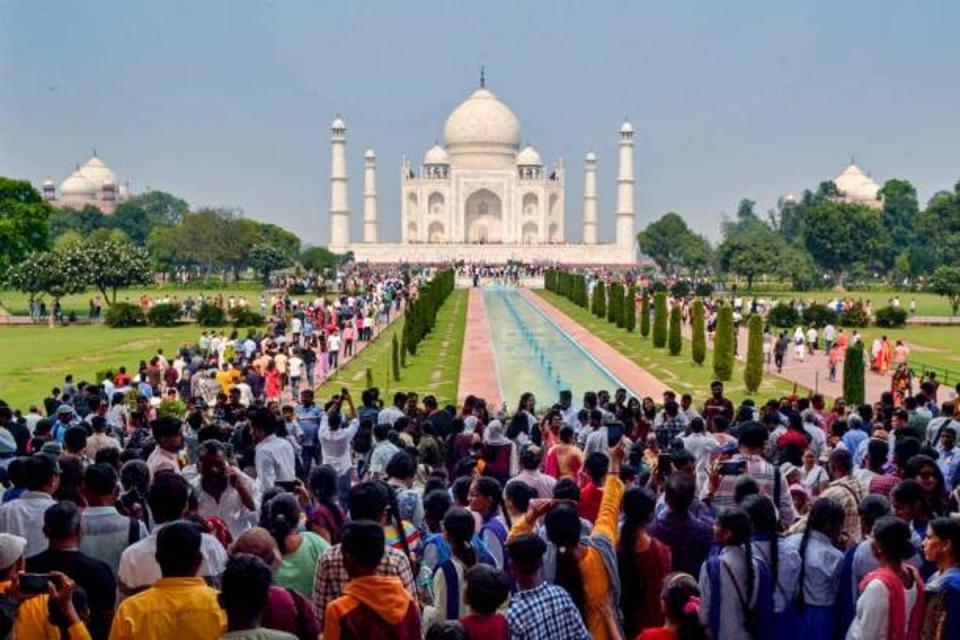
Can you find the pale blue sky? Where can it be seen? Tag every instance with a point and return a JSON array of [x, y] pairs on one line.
[[228, 102]]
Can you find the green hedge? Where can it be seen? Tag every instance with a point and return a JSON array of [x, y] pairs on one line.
[[783, 315], [209, 315], [890, 317], [246, 317], [164, 315], [854, 385], [124, 314]]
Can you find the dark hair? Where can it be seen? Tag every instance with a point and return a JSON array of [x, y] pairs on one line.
[[283, 513], [566, 489], [167, 496], [753, 435], [520, 494], [842, 460], [461, 489], [563, 530], [61, 520], [490, 488], [245, 585], [948, 530], [679, 492], [596, 466], [135, 474], [165, 426], [638, 505], [873, 507], [363, 542], [908, 491], [825, 515], [736, 522], [904, 449], [487, 588], [680, 590], [178, 547], [393, 511], [109, 456], [446, 630], [323, 486], [402, 465], [744, 486], [100, 479], [766, 523], [526, 553], [877, 451], [367, 501], [458, 524], [435, 505], [893, 537], [38, 471], [75, 439]]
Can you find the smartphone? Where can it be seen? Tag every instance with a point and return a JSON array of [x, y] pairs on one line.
[[33, 583], [287, 485], [734, 468], [615, 431]]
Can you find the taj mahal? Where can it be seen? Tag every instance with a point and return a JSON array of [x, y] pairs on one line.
[[480, 198]]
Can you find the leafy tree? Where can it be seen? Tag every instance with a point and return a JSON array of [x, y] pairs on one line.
[[645, 314], [938, 226], [68, 239], [671, 244], [630, 309], [318, 259], [723, 344], [52, 273], [84, 221], [24, 223], [660, 320], [112, 265], [750, 247], [139, 215], [854, 385], [753, 371], [796, 265], [287, 241], [599, 300], [698, 349], [676, 338], [840, 235], [945, 281], [900, 210], [266, 258]]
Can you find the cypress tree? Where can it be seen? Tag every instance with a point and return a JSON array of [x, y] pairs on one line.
[[630, 310], [676, 338], [369, 378], [699, 347], [723, 344], [660, 320], [753, 371], [599, 300], [395, 357], [645, 314], [403, 352], [583, 291], [854, 384], [613, 309]]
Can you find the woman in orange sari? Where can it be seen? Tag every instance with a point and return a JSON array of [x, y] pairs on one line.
[[886, 355], [565, 458]]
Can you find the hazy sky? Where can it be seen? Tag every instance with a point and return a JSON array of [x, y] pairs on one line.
[[228, 102]]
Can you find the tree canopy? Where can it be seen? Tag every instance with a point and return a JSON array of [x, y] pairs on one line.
[[23, 221], [672, 245]]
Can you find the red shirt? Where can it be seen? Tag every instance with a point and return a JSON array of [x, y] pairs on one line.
[[658, 633], [481, 627], [590, 498]]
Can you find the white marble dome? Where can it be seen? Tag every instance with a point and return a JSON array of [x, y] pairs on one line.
[[529, 157], [482, 119], [626, 127], [436, 155], [854, 184], [591, 156], [338, 123], [97, 172], [77, 184]]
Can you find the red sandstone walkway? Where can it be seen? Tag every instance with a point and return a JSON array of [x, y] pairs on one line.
[[478, 371], [639, 381], [813, 372]]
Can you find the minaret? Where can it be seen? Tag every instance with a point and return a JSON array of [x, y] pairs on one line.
[[590, 199], [339, 209], [369, 196], [625, 235]]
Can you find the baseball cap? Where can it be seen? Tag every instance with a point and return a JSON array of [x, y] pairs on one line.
[[11, 549]]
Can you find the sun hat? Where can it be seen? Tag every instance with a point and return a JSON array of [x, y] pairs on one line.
[[11, 549]]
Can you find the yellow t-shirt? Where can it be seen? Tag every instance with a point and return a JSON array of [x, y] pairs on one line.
[[33, 622], [171, 608]]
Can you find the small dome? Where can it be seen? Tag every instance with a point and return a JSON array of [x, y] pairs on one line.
[[482, 119], [626, 127], [338, 123], [436, 155], [789, 199], [48, 183], [591, 156], [853, 183], [369, 154], [529, 157], [77, 185], [97, 172]]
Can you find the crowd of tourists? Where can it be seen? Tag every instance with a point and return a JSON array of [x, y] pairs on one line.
[[213, 495]]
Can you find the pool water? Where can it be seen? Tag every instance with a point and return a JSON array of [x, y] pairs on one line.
[[534, 354]]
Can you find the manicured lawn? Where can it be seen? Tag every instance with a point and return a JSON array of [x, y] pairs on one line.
[[17, 303], [434, 370], [679, 372], [928, 304], [936, 348], [36, 358]]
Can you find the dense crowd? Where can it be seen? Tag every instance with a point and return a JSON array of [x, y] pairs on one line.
[[213, 495]]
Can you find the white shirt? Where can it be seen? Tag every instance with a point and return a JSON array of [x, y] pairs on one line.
[[230, 508], [335, 444], [333, 342], [139, 567], [295, 367], [389, 415], [872, 617], [275, 460], [23, 517]]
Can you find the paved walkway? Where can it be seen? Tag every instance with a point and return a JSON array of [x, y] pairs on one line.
[[478, 371], [639, 381], [813, 372]]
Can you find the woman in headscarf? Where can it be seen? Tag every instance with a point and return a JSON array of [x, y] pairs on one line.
[[499, 453]]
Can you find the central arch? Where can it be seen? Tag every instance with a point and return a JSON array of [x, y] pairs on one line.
[[435, 233], [483, 217]]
